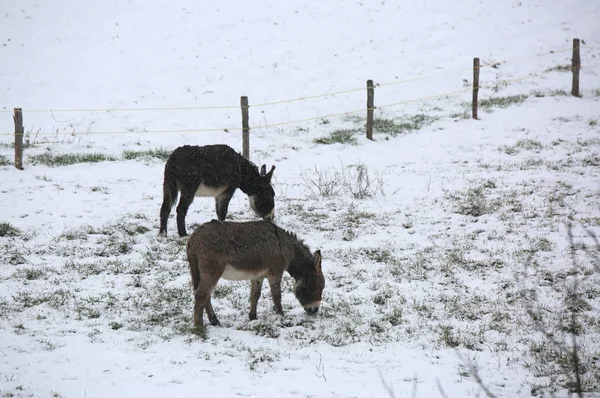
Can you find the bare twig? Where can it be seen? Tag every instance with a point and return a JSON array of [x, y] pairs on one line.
[[573, 350], [441, 389], [473, 371], [574, 353], [595, 256], [321, 368], [386, 386]]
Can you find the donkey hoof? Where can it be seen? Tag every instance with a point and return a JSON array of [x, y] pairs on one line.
[[214, 322]]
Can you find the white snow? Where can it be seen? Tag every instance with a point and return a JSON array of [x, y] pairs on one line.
[[419, 285]]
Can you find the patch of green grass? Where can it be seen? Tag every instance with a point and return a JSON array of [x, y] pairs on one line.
[[199, 331], [223, 290], [265, 329], [87, 312], [379, 255], [54, 299], [466, 114], [132, 229], [343, 136], [591, 160], [529, 144], [79, 233], [31, 274], [260, 356], [158, 153], [67, 159], [526, 144], [394, 127], [115, 325], [7, 229], [447, 336], [473, 202], [4, 161], [560, 68], [26, 144], [355, 218], [557, 92], [542, 245], [99, 188], [501, 102]]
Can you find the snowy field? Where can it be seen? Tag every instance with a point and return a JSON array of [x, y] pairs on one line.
[[449, 270]]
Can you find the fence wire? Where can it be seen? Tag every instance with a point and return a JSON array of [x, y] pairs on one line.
[[333, 115], [192, 108]]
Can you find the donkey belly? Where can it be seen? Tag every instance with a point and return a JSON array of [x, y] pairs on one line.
[[204, 190], [235, 274]]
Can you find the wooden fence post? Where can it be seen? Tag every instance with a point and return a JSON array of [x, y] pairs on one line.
[[18, 118], [475, 86], [575, 66], [245, 128], [370, 108]]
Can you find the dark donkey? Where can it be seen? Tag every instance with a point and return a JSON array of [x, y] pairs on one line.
[[251, 251], [217, 171]]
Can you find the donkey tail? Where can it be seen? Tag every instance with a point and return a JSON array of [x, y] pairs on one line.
[[170, 192], [194, 271]]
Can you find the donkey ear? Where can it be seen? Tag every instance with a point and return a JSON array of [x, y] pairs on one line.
[[317, 257], [263, 170], [270, 173]]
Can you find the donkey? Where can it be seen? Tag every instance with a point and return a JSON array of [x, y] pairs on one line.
[[217, 171], [251, 250]]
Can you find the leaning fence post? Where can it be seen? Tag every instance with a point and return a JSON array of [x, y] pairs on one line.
[[370, 108], [18, 118], [475, 86], [575, 66], [245, 128]]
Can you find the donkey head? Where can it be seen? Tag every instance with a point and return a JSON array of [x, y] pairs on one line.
[[308, 288], [263, 201]]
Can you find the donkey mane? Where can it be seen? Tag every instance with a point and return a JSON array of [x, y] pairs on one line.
[[250, 184], [301, 248]]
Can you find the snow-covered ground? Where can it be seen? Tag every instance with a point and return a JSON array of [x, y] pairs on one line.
[[445, 240]]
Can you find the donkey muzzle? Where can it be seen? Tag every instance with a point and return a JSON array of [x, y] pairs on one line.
[[270, 216], [312, 308]]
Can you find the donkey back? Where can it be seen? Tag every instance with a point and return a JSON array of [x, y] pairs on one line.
[[217, 171]]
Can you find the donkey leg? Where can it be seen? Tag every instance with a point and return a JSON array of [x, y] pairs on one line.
[[275, 285], [212, 317], [202, 301], [255, 288], [198, 309], [222, 203], [165, 210], [187, 197]]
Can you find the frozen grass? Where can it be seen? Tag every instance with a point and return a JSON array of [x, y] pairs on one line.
[[67, 159], [494, 258], [158, 153], [450, 269]]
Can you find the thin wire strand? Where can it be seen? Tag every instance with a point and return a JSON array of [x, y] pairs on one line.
[[228, 129], [156, 109]]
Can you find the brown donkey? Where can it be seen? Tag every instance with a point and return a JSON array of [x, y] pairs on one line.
[[251, 251]]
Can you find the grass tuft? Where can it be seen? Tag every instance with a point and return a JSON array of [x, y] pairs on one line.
[[7, 229], [501, 102], [158, 153], [67, 159], [402, 125], [343, 136], [4, 161]]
